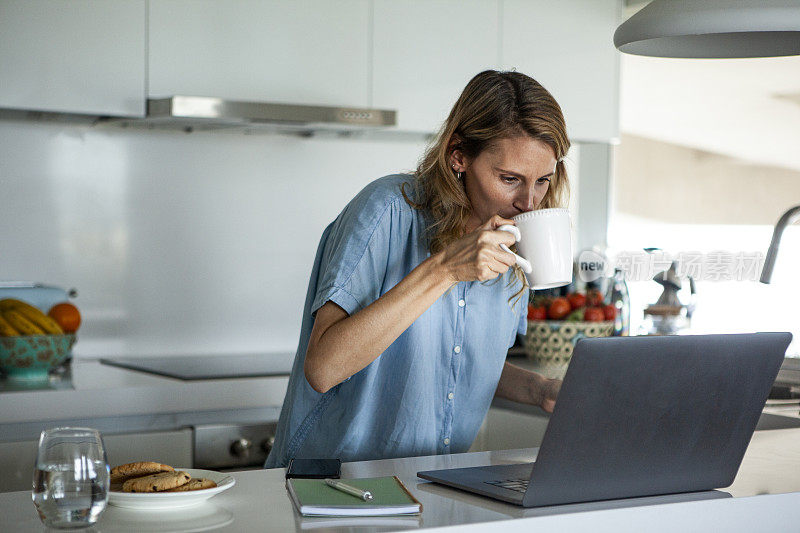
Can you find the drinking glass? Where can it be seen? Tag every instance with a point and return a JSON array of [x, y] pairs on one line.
[[70, 481]]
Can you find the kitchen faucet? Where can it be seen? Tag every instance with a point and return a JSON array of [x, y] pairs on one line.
[[787, 218]]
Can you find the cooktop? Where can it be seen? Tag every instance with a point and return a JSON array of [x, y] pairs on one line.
[[189, 367]]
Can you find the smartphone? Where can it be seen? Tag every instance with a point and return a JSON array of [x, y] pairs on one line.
[[314, 468]]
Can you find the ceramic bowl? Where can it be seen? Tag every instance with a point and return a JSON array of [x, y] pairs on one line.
[[33, 356], [549, 343]]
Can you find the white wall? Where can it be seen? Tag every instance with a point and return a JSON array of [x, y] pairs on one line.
[[673, 183], [179, 243], [198, 243]]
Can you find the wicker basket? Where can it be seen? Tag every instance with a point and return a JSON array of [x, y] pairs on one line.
[[549, 343]]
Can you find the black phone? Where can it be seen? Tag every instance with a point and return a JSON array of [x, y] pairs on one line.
[[314, 468]]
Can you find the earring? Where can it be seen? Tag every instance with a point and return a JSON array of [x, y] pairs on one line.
[[458, 174]]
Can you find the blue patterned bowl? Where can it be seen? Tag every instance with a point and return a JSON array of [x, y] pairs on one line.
[[32, 356]]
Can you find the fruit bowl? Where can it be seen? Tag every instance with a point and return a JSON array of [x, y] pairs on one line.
[[550, 343], [30, 357]]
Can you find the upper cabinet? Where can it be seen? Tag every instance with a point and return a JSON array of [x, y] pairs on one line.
[[74, 56], [283, 51], [412, 56], [567, 46], [425, 52]]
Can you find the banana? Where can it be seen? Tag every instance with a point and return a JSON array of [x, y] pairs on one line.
[[12, 303], [44, 322], [6, 330], [33, 314], [22, 324]]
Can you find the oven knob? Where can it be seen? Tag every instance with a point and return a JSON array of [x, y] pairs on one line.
[[267, 445], [241, 447]]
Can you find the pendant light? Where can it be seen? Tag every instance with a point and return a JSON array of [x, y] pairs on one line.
[[712, 29]]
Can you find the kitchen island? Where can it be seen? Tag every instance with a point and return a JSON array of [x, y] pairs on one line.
[[138, 411], [765, 496], [513, 425], [94, 390]]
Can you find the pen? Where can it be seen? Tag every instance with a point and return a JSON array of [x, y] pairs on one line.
[[349, 489]]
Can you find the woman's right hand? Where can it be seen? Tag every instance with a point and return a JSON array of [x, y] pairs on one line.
[[477, 256]]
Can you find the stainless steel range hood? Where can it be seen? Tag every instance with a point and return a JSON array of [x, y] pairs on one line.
[[201, 110], [201, 113]]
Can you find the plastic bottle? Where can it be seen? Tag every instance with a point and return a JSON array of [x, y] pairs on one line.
[[617, 296]]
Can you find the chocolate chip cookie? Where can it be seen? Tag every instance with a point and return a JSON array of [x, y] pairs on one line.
[[156, 482], [195, 484], [142, 468]]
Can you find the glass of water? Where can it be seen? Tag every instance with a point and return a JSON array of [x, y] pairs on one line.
[[70, 481]]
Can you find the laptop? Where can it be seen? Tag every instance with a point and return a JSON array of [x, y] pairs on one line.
[[641, 416]]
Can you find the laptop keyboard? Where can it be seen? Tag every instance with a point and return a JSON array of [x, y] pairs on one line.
[[519, 485]]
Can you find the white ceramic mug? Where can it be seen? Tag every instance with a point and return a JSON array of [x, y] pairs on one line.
[[544, 237]]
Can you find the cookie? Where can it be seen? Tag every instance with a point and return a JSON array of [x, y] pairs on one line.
[[156, 482], [142, 468], [194, 484]]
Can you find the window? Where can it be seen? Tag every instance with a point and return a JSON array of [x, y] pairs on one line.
[[682, 200]]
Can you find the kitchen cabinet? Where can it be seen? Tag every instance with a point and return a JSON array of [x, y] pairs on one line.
[[74, 56], [425, 52], [568, 47], [286, 51], [412, 56], [17, 459], [166, 447]]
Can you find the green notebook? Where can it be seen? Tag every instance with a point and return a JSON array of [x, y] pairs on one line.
[[313, 497]]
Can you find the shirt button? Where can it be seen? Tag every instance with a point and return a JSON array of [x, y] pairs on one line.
[[446, 441], [462, 303], [450, 396], [457, 349]]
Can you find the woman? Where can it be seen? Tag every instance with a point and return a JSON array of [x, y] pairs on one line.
[[404, 336]]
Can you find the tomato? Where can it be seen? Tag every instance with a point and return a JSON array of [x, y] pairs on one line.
[[576, 300], [558, 309], [609, 312], [594, 298], [593, 314], [537, 312]]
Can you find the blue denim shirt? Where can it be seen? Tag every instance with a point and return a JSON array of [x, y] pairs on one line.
[[430, 390]]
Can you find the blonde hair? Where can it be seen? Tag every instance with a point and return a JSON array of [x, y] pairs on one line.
[[494, 105]]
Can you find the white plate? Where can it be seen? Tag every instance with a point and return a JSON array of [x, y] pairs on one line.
[[182, 520], [173, 500]]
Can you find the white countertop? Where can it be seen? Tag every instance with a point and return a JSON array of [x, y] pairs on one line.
[[764, 497], [95, 390], [109, 397]]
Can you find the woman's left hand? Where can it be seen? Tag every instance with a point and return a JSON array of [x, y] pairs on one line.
[[549, 392], [523, 386]]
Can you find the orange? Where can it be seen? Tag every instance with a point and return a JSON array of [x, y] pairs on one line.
[[66, 315]]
